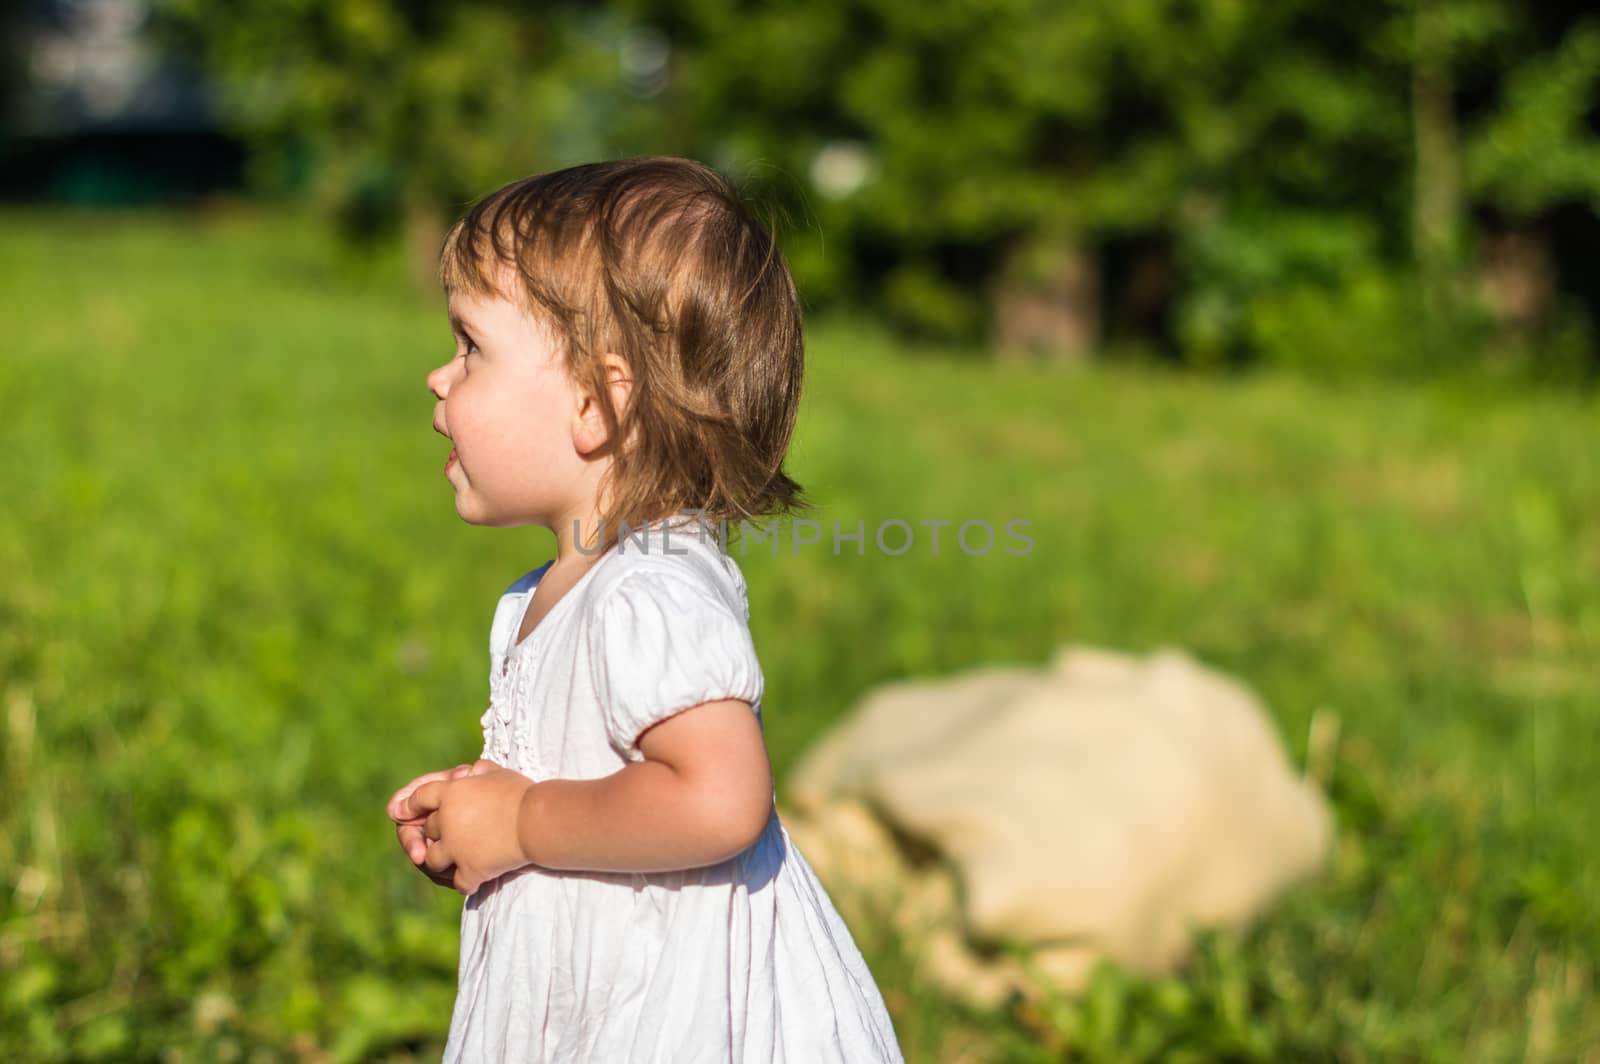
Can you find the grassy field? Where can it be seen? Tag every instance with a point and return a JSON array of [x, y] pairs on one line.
[[238, 610]]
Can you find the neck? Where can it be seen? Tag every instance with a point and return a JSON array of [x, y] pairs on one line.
[[575, 529]]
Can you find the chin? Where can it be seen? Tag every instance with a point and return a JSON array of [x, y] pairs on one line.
[[483, 520]]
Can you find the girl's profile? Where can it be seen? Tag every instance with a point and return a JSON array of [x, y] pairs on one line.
[[628, 356]]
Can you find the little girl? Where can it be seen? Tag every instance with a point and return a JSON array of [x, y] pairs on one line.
[[628, 352]]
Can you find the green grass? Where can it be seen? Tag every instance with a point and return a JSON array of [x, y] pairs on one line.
[[238, 610]]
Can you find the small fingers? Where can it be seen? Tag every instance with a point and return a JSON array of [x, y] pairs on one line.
[[443, 877], [438, 859], [412, 841], [397, 807], [424, 800]]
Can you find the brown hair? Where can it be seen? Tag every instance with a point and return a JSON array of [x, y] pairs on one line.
[[657, 260]]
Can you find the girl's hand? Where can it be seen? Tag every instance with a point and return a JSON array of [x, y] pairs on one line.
[[470, 824], [408, 830]]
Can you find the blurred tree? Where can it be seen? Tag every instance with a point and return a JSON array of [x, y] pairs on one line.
[[1296, 164], [13, 73], [1535, 169], [999, 136], [1540, 147], [1016, 165], [385, 110], [1436, 211]]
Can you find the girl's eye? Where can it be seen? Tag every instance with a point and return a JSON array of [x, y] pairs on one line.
[[472, 348]]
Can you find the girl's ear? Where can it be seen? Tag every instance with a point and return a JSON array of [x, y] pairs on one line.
[[589, 430]]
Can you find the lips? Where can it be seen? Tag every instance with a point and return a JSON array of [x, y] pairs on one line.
[[448, 462]]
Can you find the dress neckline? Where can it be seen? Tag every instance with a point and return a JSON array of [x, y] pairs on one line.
[[518, 645]]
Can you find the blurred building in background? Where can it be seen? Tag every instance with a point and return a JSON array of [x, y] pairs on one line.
[[91, 111]]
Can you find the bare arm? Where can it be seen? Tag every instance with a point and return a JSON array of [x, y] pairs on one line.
[[702, 795]]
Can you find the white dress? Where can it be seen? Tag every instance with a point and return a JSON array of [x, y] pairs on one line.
[[745, 961]]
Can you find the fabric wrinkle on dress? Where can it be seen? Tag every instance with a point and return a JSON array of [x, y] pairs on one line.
[[743, 961]]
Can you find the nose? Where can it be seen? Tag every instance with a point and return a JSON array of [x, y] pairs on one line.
[[439, 380]]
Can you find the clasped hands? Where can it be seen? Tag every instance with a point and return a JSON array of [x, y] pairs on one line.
[[460, 826]]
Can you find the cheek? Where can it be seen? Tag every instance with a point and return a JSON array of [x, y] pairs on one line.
[[544, 420], [471, 412]]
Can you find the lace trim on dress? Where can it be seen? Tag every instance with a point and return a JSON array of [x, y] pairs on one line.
[[507, 724]]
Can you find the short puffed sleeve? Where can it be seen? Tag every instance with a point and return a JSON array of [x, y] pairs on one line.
[[660, 643]]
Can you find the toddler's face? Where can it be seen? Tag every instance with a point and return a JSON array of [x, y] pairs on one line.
[[507, 404]]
